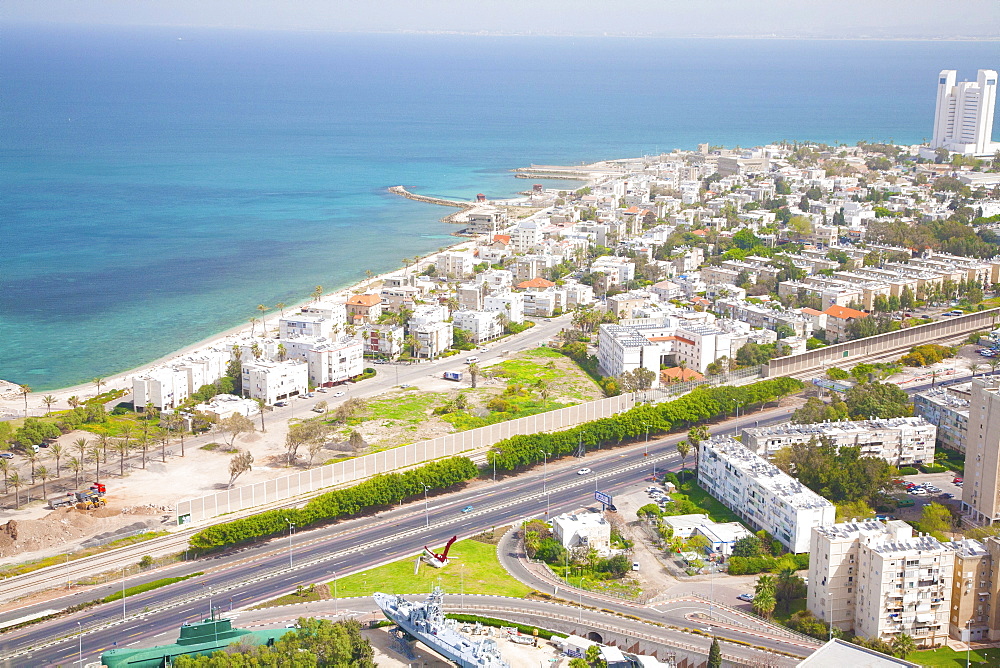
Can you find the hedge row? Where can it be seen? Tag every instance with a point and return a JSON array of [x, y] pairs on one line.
[[702, 404], [382, 490], [149, 586], [767, 564]]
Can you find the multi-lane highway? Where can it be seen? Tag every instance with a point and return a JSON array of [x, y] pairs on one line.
[[258, 573]]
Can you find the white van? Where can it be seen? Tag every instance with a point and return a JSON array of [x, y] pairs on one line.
[[471, 360], [635, 565]]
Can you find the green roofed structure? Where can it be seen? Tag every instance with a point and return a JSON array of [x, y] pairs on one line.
[[204, 637]]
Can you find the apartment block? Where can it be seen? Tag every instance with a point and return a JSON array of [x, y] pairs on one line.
[[481, 325], [275, 381], [659, 340], [760, 494], [165, 387], [881, 580], [899, 441], [981, 490], [948, 409]]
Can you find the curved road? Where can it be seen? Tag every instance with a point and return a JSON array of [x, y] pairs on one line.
[[258, 573]]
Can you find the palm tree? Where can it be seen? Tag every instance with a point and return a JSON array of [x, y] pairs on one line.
[[144, 446], [48, 400], [43, 475], [163, 436], [81, 444], [256, 350], [974, 367], [317, 293], [903, 645], [683, 449], [99, 382], [281, 307], [73, 401], [543, 391], [785, 587], [282, 352], [14, 480], [56, 451], [253, 326], [122, 448], [25, 390], [993, 363], [95, 452], [474, 374], [5, 467], [764, 599], [32, 456], [263, 323], [125, 432], [75, 465], [104, 440]]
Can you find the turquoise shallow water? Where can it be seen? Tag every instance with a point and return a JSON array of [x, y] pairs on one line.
[[156, 185]]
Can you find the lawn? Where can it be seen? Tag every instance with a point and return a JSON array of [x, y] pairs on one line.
[[405, 407], [712, 507], [473, 562], [952, 659]]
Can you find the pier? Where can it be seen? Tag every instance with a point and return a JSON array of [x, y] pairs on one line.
[[403, 192]]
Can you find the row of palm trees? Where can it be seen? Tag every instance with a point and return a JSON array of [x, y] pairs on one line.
[[49, 399], [87, 451]]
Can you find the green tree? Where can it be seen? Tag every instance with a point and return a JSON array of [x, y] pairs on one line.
[[748, 546], [715, 654], [683, 449], [594, 658], [764, 600], [935, 519], [903, 645], [239, 464], [877, 401]]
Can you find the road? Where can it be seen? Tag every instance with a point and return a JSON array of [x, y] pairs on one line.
[[261, 572]]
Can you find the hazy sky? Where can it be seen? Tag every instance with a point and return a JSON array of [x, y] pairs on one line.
[[818, 18]]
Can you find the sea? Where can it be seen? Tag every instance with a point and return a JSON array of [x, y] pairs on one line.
[[157, 184]]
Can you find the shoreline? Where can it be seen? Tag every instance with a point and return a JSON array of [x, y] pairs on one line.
[[120, 380], [12, 407]]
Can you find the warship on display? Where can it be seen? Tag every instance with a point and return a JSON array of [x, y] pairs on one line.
[[426, 623]]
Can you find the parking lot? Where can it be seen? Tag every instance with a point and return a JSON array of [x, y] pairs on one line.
[[931, 482]]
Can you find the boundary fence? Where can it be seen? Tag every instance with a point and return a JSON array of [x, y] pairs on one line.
[[359, 468]]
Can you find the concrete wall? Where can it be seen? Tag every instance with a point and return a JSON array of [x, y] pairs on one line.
[[844, 353], [359, 468]]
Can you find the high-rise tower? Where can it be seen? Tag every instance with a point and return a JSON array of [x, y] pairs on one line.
[[963, 117]]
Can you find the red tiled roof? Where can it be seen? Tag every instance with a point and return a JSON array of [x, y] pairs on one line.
[[537, 282], [364, 300], [502, 238], [843, 313]]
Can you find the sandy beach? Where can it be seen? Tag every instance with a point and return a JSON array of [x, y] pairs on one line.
[[12, 401]]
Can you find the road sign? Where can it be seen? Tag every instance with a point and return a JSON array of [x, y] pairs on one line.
[[601, 497]]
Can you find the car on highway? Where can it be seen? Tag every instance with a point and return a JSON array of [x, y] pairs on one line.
[[467, 509], [746, 597], [321, 389], [280, 404], [584, 471], [339, 394]]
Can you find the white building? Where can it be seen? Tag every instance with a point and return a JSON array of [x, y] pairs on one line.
[[880, 580], [721, 535], [760, 493], [963, 117], [312, 325], [384, 340], [330, 361], [481, 325], [275, 381], [455, 263], [900, 441], [526, 236], [165, 387], [223, 406], [582, 531], [618, 269], [649, 345], [433, 338], [511, 304]]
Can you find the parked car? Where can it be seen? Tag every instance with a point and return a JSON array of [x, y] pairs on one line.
[[746, 597], [946, 495], [280, 404], [956, 480], [6, 455], [584, 471]]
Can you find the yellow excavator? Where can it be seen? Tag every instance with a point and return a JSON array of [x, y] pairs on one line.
[[92, 498]]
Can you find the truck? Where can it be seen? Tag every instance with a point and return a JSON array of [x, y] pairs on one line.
[[67, 499], [453, 375]]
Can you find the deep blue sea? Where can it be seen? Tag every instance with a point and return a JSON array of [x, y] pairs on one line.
[[157, 184]]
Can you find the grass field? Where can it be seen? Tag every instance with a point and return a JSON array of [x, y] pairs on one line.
[[949, 658], [473, 562], [712, 507]]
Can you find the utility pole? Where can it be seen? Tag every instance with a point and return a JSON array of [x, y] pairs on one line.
[[427, 515], [291, 530], [123, 592]]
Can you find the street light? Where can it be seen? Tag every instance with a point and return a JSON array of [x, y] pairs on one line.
[[545, 470], [336, 604], [123, 592], [291, 530], [79, 656], [968, 643], [427, 514]]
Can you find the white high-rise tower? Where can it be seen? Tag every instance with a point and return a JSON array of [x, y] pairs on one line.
[[963, 118]]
